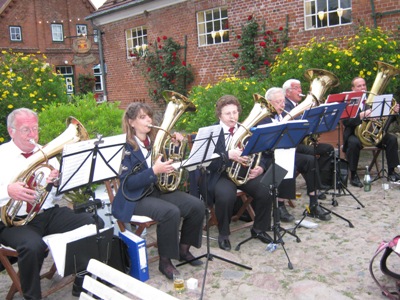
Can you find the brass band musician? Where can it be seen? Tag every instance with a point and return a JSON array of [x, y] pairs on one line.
[[167, 208], [352, 144]]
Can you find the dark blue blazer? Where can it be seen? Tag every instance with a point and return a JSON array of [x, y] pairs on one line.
[[134, 182]]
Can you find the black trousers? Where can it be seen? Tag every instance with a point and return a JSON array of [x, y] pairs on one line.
[[225, 197], [168, 209], [27, 240], [389, 143]]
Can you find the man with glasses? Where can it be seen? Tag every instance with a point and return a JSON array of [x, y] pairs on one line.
[[293, 96], [23, 128]]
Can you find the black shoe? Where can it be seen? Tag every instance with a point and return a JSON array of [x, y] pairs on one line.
[[355, 181], [168, 270], [284, 214], [317, 212], [262, 236], [225, 244], [188, 257], [394, 177], [321, 196]]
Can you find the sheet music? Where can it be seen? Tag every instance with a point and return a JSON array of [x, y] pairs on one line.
[[78, 158], [197, 154], [57, 243], [381, 106], [285, 159]]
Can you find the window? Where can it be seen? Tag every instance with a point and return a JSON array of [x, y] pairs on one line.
[[213, 26], [57, 32], [68, 73], [135, 39], [326, 13], [95, 36], [15, 33], [99, 79], [81, 30]]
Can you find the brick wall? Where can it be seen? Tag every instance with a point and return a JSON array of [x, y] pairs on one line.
[[210, 63]]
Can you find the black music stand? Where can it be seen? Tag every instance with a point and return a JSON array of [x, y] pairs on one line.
[[200, 157], [381, 107], [352, 100], [83, 164], [323, 118], [269, 138]]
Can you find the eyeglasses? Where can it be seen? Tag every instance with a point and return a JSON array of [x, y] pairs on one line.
[[27, 130]]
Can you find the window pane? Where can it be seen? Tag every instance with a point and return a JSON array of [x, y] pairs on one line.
[[216, 20]]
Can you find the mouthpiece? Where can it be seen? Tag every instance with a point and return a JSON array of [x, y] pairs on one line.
[[302, 95]]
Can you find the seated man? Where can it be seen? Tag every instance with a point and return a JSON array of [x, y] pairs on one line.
[[352, 144], [220, 190], [23, 127], [304, 163]]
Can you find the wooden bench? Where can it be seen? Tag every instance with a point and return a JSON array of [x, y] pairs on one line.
[[116, 285]]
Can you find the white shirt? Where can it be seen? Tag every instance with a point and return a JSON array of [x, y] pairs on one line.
[[146, 153], [13, 163], [227, 133]]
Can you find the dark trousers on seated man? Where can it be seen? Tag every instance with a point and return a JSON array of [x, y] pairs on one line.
[[31, 248]]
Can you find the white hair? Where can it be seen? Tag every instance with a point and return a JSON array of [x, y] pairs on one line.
[[288, 84]]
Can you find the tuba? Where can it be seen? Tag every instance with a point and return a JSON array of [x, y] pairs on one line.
[[177, 105], [371, 132], [321, 81], [36, 165], [262, 108]]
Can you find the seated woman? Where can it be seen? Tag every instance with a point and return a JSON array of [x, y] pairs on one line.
[[139, 195]]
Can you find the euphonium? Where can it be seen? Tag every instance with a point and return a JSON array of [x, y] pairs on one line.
[[321, 81], [262, 108], [371, 132], [177, 105], [37, 163]]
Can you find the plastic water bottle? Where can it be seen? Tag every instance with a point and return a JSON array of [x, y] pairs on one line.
[[367, 181], [271, 247]]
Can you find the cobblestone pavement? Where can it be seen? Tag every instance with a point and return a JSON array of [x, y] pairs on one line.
[[331, 261]]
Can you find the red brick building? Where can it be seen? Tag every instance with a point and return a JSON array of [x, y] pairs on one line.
[[128, 24], [52, 27]]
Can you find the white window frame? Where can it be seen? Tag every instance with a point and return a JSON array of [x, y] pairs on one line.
[[135, 37], [210, 24], [16, 33], [99, 78], [81, 29], [95, 36], [57, 32], [327, 13]]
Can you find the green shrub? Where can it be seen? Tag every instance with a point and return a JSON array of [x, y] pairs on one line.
[[204, 98], [97, 118], [27, 81], [355, 58]]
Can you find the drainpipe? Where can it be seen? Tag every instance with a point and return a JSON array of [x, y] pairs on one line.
[[376, 15], [101, 54]]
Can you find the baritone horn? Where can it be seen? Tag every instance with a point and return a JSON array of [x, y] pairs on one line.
[[321, 80], [33, 175], [177, 105], [371, 132], [262, 108]]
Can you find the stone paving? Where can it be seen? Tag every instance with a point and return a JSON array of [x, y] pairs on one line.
[[331, 261]]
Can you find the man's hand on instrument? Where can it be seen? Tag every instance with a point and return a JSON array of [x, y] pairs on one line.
[[257, 171], [53, 177], [19, 191], [235, 154]]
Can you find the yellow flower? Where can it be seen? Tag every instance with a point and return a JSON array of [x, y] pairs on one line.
[[337, 67], [15, 94], [300, 66], [10, 106], [329, 64], [36, 69], [369, 73]]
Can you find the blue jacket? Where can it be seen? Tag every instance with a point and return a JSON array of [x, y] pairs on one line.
[[134, 182]]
